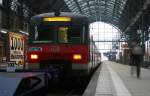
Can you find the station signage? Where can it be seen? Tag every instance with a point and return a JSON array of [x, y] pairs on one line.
[[124, 46], [16, 46]]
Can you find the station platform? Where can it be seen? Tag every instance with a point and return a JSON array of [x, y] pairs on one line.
[[114, 79]]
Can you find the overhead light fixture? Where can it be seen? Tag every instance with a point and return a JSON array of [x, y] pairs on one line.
[[24, 32], [3, 31]]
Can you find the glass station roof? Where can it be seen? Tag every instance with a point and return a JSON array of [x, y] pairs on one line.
[[99, 10]]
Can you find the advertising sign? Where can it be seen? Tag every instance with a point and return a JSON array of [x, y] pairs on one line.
[[16, 46]]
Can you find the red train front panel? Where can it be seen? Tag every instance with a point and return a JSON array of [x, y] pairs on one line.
[[75, 54]]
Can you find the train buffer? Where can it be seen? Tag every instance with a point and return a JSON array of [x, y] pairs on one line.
[[22, 83]]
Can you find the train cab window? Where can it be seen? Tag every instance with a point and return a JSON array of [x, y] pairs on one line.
[[71, 34], [46, 33], [43, 33], [52, 33], [63, 34]]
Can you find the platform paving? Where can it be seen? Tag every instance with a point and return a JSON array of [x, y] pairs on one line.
[[114, 79], [137, 87]]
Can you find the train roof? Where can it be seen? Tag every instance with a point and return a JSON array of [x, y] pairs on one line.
[[73, 15]]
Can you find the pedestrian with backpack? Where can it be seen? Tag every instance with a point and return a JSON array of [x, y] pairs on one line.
[[137, 53]]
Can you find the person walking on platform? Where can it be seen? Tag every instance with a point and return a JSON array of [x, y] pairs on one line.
[[136, 56]]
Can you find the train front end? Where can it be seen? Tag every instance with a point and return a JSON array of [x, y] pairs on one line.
[[59, 42]]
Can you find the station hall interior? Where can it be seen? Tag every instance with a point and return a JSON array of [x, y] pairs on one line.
[[113, 26], [130, 18]]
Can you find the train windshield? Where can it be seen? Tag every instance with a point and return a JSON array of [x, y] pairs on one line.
[[44, 34], [58, 34]]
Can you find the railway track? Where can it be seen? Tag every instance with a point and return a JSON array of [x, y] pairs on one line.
[[67, 90], [70, 93], [72, 88]]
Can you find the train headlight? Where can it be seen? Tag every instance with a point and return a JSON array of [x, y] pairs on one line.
[[34, 56], [77, 56]]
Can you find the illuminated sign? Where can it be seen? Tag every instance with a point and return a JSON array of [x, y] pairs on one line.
[[16, 45], [52, 19]]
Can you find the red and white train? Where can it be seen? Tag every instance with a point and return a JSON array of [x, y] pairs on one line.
[[62, 41]]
